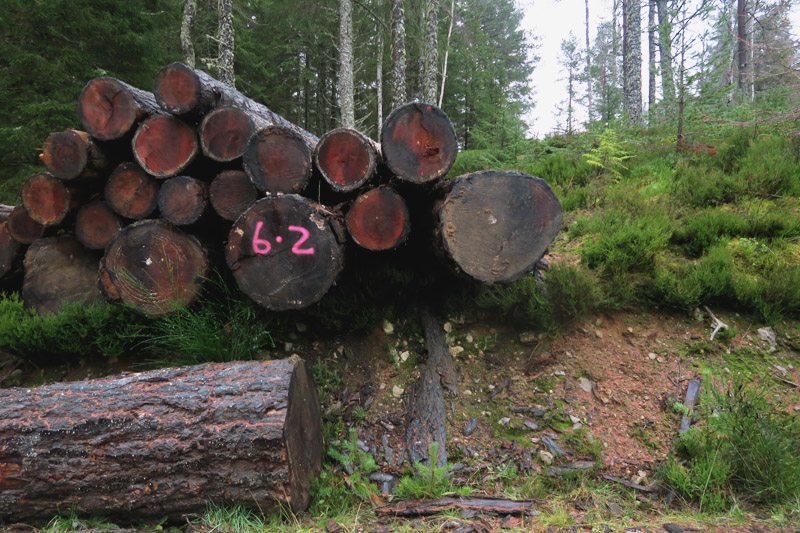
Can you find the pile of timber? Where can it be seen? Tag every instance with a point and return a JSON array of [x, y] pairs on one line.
[[134, 206]]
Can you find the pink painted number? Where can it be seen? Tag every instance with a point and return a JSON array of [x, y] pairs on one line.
[[263, 246]]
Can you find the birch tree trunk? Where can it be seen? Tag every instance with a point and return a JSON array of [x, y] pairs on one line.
[[379, 76], [447, 50], [430, 61], [741, 41], [651, 59], [632, 61], [665, 52], [346, 90], [398, 54], [187, 30], [588, 62], [225, 59]]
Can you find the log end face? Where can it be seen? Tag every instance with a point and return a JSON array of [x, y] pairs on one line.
[[65, 154], [164, 145], [378, 219], [419, 143], [131, 192], [224, 133], [106, 109], [345, 159], [182, 200], [231, 193], [22, 227], [96, 225], [177, 89], [45, 198], [8, 249], [278, 160]]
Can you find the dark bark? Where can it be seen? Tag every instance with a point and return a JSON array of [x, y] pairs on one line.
[[58, 271], [346, 159], [96, 225], [9, 248], [378, 219], [478, 504], [430, 62], [419, 143], [278, 160], [109, 108], [285, 252], [163, 443], [226, 43], [398, 54], [22, 227], [187, 30], [71, 154], [741, 48], [46, 199], [131, 192], [231, 193], [346, 89], [495, 225], [632, 60], [164, 146], [182, 200], [665, 52], [181, 90], [154, 267]]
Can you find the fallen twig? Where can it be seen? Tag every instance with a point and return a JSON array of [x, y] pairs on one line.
[[630, 484], [718, 324], [480, 504]]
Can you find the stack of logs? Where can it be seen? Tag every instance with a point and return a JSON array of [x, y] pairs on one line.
[[131, 193]]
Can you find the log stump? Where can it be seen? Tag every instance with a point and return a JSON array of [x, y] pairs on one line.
[[22, 227], [109, 108], [231, 193], [96, 225], [278, 160], [164, 145], [45, 198], [71, 154], [163, 443], [182, 200], [378, 219], [131, 192], [346, 158]]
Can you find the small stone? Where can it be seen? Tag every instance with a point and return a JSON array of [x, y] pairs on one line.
[[470, 428], [301, 328], [404, 356], [546, 457], [287, 346], [660, 359], [630, 330], [388, 327], [505, 421], [768, 335], [382, 386], [340, 349], [333, 527], [598, 322], [576, 426], [585, 384], [397, 391], [530, 424], [491, 387], [448, 327], [559, 373], [455, 350], [574, 419], [467, 392], [469, 337], [527, 337], [598, 334], [652, 356]]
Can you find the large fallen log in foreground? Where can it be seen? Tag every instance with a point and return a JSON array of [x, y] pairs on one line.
[[138, 447]]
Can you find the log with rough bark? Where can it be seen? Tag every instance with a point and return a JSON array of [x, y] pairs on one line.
[[131, 192], [183, 90], [182, 200], [285, 252], [163, 443], [58, 271], [22, 227], [419, 143], [495, 225], [164, 145], [5, 211], [72, 154], [45, 198], [154, 267], [378, 219], [9, 248], [278, 160], [231, 193], [96, 225], [109, 108], [346, 159]]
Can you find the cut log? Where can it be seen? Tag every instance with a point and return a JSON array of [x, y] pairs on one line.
[[164, 443], [495, 225], [58, 271], [96, 225], [278, 160], [109, 108], [22, 227], [419, 143], [153, 267], [131, 192], [224, 133], [45, 198], [71, 154], [164, 145], [476, 504], [231, 193], [9, 248], [5, 211], [346, 158], [378, 219], [285, 252], [182, 200], [182, 90]]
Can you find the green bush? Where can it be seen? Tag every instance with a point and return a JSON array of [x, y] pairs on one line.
[[701, 186], [688, 284], [770, 167], [558, 168], [468, 161], [430, 482]]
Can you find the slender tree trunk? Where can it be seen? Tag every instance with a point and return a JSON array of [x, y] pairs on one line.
[[226, 45], [379, 83], [187, 30], [588, 63], [346, 90], [741, 44], [447, 50], [665, 52], [615, 45], [682, 82], [398, 54], [651, 59], [569, 103], [751, 65], [430, 62], [632, 61]]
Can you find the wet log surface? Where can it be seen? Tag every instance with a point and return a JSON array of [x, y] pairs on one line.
[[109, 108], [231, 193], [378, 219], [131, 192], [419, 143], [143, 446], [96, 225], [22, 227], [285, 252], [45, 198], [346, 159], [58, 271], [182, 200], [71, 154], [164, 145], [495, 225], [278, 160], [154, 267]]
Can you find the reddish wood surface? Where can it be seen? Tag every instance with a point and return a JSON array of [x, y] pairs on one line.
[[9, 248], [109, 108], [278, 160], [131, 192], [59, 270], [285, 252], [164, 443], [495, 225], [96, 225], [346, 158], [22, 227], [182, 200], [180, 90], [378, 219], [72, 154], [419, 143], [225, 132], [154, 267], [231, 193], [164, 145], [45, 198]]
